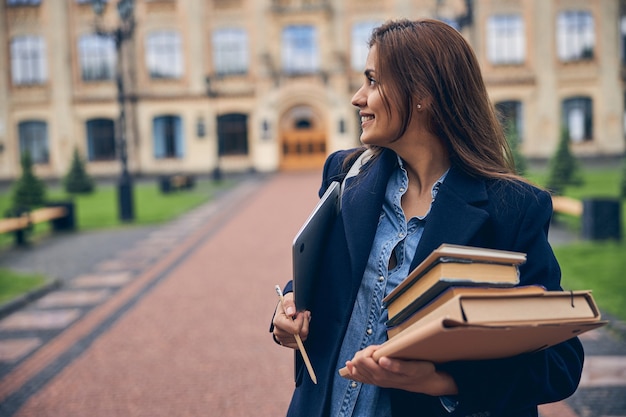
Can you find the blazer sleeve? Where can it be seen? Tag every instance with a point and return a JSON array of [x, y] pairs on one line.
[[510, 386]]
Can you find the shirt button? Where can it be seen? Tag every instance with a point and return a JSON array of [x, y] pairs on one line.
[[381, 278], [400, 234], [401, 189], [353, 384], [369, 331]]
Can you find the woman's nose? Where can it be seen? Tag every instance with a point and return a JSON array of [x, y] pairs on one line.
[[358, 99]]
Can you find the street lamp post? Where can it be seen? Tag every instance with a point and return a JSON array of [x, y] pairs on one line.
[[122, 33]]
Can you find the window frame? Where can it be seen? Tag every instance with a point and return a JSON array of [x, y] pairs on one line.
[[576, 37], [300, 49], [28, 60], [231, 54], [33, 137], [97, 140], [584, 105], [360, 35], [96, 55], [168, 137], [233, 134], [506, 39], [164, 57]]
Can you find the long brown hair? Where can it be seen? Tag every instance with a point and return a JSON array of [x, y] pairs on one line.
[[429, 59]]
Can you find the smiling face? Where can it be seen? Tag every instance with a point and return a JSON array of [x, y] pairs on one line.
[[380, 124]]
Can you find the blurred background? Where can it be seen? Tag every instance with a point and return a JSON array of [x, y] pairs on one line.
[[213, 86], [167, 130]]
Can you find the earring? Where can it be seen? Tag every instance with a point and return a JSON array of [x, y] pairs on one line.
[[419, 106]]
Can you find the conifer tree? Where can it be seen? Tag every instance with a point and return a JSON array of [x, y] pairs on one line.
[[28, 191], [564, 167], [77, 180], [518, 158]]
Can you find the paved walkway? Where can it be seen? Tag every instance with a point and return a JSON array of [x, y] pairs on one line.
[[172, 320]]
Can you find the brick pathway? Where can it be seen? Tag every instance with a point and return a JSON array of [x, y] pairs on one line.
[[177, 325]]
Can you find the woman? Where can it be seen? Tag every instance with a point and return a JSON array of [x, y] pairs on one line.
[[441, 172]]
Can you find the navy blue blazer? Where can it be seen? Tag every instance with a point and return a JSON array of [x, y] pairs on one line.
[[467, 211]]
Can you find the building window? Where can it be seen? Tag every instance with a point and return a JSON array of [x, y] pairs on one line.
[[361, 34], [575, 37], [506, 43], [232, 134], [511, 117], [97, 57], [23, 2], [578, 118], [168, 137], [163, 55], [28, 60], [100, 140], [299, 50], [230, 51], [33, 136]]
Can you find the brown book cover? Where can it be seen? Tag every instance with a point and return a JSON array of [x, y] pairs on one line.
[[445, 338], [441, 274], [458, 252], [463, 293]]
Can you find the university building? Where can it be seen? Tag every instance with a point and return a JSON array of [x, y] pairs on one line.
[[266, 85]]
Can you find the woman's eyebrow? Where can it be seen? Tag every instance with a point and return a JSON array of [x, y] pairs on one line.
[[369, 72]]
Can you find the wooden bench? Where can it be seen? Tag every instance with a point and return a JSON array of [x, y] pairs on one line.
[[58, 215], [600, 217], [176, 182], [567, 205]]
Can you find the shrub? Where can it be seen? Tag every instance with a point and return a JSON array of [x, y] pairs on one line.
[[28, 191], [77, 180], [513, 140], [564, 168]]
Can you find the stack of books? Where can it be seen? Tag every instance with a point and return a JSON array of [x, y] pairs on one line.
[[463, 303]]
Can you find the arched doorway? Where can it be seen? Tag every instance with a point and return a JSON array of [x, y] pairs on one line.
[[302, 138]]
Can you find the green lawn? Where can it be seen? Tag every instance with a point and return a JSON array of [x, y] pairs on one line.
[[13, 284], [597, 266], [99, 211]]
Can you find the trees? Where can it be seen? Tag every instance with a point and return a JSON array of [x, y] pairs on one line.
[[564, 168], [28, 191], [77, 180], [513, 140]]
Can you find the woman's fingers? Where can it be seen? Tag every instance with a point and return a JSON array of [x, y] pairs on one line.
[[287, 325]]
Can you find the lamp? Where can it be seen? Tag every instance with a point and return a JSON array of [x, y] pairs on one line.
[[122, 33]]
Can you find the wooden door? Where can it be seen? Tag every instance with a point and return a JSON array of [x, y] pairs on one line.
[[303, 149]]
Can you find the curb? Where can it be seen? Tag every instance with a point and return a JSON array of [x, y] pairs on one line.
[[17, 303]]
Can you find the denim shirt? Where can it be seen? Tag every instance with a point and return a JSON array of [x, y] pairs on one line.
[[367, 323]]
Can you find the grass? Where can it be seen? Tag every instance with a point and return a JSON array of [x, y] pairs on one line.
[[13, 284], [593, 265], [99, 211], [597, 266]]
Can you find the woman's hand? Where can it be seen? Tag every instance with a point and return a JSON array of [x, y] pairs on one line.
[[288, 322], [414, 376]]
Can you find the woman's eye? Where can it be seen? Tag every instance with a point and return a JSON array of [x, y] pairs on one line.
[[371, 81]]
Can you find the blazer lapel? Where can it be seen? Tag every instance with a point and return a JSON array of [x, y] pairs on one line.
[[455, 216], [362, 202]]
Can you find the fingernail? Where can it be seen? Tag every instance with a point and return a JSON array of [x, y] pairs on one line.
[[289, 311]]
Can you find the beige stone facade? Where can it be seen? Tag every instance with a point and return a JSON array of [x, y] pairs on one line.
[[269, 104]]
